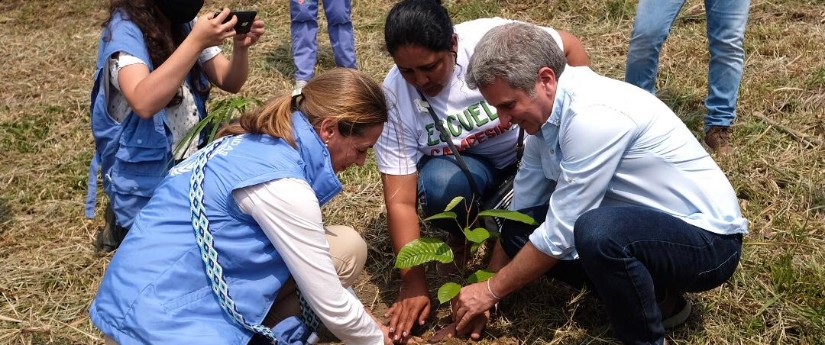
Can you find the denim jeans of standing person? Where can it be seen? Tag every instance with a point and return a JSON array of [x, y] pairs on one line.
[[726, 20], [304, 29], [440, 180], [632, 255]]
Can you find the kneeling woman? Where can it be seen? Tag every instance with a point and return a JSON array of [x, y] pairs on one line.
[[217, 253]]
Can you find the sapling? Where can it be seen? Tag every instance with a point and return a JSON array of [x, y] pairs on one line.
[[428, 249]]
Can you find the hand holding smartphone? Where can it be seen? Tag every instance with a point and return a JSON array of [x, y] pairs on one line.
[[245, 19]]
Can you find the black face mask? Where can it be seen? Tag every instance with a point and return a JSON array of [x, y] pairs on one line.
[[180, 11]]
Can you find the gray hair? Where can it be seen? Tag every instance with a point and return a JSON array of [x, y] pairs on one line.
[[514, 52]]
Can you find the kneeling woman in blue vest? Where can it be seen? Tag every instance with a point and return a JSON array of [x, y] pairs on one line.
[[217, 254]]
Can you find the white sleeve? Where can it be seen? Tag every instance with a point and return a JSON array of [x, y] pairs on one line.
[[288, 212], [116, 63], [556, 36], [396, 151]]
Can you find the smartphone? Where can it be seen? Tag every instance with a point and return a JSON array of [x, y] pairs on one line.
[[245, 19]]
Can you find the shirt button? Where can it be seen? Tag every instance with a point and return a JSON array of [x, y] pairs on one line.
[[140, 141]]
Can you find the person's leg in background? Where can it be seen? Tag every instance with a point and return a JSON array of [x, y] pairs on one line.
[[304, 29], [341, 36], [726, 21], [111, 234], [651, 27], [637, 256]]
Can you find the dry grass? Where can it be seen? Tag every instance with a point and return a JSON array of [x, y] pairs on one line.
[[776, 297]]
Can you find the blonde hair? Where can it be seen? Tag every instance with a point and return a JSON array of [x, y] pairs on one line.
[[350, 97]]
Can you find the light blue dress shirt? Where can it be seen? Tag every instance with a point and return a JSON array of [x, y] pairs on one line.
[[608, 143]]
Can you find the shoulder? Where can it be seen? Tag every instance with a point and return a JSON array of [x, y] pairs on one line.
[[396, 89], [394, 81]]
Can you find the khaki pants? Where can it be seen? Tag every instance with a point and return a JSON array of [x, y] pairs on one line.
[[349, 254]]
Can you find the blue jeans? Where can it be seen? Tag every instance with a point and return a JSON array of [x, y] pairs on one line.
[[304, 28], [631, 255], [440, 179], [726, 20]]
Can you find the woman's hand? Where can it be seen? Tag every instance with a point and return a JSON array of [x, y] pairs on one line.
[[412, 305], [210, 30], [250, 38]]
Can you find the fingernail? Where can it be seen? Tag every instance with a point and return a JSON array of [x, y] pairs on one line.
[[404, 334], [392, 330]]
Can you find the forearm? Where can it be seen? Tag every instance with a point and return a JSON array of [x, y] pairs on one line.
[[498, 259], [528, 265], [402, 221], [238, 71], [154, 92]]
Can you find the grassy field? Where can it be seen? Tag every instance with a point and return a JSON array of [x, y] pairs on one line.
[[50, 273]]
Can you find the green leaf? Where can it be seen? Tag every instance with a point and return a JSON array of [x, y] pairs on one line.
[[480, 276], [507, 214], [221, 112], [447, 291], [442, 215], [423, 250], [477, 235], [453, 203]]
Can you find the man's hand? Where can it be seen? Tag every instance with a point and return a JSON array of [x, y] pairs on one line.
[[472, 301], [413, 305]]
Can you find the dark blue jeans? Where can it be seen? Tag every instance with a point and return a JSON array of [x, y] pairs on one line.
[[440, 179], [631, 255]]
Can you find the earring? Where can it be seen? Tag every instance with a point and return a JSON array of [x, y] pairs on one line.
[[326, 142]]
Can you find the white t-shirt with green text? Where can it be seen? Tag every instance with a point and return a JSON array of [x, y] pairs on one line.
[[473, 124]]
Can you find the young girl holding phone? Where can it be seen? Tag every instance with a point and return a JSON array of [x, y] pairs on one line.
[[155, 66]]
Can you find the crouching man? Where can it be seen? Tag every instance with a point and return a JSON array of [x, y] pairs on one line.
[[631, 203]]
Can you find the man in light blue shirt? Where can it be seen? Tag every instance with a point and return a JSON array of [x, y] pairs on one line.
[[633, 206]]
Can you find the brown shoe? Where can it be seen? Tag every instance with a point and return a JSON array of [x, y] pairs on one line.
[[718, 139]]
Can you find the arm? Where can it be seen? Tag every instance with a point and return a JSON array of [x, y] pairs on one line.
[[592, 149], [148, 93], [290, 216], [413, 303], [475, 299], [230, 75], [574, 50]]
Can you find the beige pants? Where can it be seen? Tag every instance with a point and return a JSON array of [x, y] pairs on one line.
[[349, 254]]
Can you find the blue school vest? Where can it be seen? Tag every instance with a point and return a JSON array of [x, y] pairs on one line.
[[134, 155], [155, 290]]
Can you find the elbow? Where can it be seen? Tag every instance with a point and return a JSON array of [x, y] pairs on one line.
[[144, 112]]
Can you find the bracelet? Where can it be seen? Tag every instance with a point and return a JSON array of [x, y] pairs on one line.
[[490, 290]]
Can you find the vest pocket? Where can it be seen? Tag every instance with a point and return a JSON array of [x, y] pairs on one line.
[[187, 299]]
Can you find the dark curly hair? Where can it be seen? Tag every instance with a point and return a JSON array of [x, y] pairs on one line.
[[160, 35]]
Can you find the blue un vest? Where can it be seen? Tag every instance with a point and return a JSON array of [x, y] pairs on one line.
[[155, 290], [133, 155]]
